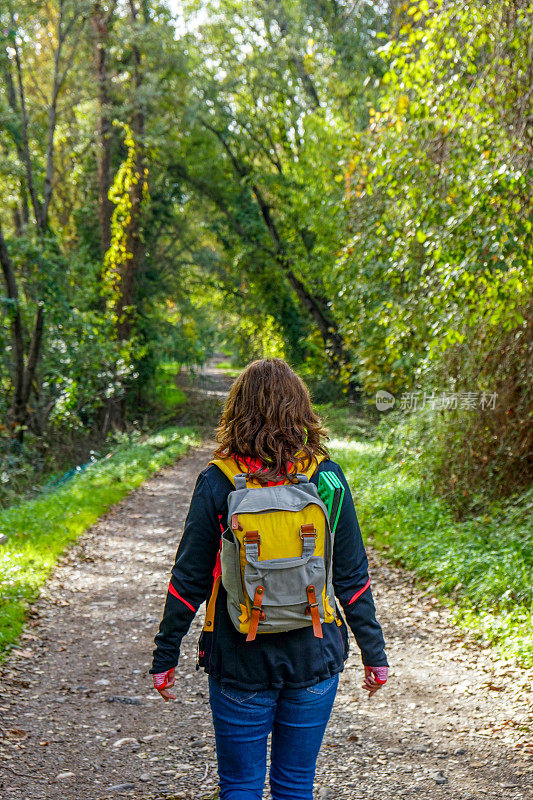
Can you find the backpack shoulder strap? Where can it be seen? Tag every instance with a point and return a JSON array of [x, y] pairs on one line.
[[230, 467], [313, 466]]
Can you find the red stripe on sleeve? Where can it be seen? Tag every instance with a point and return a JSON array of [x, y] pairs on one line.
[[360, 592], [174, 592]]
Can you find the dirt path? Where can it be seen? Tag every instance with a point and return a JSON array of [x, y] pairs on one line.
[[79, 720]]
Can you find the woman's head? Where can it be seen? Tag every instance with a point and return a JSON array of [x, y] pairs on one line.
[[268, 416]]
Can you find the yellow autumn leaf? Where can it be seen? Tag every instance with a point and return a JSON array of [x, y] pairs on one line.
[[402, 104]]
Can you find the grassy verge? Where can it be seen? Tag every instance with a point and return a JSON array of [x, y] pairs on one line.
[[39, 530], [480, 566]]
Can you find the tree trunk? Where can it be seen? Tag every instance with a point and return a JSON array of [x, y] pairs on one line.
[[134, 240], [101, 22], [116, 409], [23, 376], [22, 213], [24, 152], [315, 305]]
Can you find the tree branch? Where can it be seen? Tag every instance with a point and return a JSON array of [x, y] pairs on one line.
[[37, 210]]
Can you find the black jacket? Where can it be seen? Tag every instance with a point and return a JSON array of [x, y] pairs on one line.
[[293, 659]]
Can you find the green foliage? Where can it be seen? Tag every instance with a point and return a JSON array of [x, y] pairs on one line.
[[118, 258], [437, 276], [161, 392], [89, 374], [255, 337], [229, 369], [481, 567], [81, 363], [39, 530], [266, 126], [438, 193]]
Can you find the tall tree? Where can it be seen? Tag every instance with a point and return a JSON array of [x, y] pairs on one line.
[[63, 31], [102, 21], [65, 27]]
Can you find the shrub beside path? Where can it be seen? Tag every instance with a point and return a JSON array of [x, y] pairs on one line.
[[80, 721]]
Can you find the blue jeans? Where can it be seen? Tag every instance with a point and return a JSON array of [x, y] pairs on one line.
[[243, 720]]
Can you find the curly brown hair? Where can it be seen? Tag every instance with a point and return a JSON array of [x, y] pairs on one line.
[[268, 416]]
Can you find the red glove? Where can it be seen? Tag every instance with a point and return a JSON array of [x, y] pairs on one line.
[[375, 677], [164, 681]]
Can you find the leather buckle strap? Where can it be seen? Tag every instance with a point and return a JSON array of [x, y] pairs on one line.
[[251, 541], [313, 610], [257, 614], [308, 536], [235, 524]]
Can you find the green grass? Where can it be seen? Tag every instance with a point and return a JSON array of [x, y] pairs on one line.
[[162, 391], [344, 421], [229, 368], [481, 567], [39, 530]]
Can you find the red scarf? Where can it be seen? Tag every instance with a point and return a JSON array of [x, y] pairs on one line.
[[255, 464]]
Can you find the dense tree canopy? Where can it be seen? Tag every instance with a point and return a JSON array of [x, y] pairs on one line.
[[344, 184]]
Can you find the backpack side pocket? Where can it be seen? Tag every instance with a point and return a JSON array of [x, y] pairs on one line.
[[231, 580]]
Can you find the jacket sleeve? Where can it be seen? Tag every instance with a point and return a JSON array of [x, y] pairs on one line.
[[191, 577], [351, 583]]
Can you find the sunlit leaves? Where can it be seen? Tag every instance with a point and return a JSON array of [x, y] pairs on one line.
[[433, 190], [439, 266]]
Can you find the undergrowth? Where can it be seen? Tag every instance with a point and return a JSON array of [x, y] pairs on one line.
[[480, 565]]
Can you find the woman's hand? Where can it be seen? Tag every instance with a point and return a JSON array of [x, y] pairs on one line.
[[375, 677], [163, 681]]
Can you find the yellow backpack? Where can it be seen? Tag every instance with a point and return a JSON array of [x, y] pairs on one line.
[[276, 555]]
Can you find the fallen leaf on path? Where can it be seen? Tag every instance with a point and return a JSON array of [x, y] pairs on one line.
[[26, 653], [15, 733]]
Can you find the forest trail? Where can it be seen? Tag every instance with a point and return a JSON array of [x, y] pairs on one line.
[[79, 719]]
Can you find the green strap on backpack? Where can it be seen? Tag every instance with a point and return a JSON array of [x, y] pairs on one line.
[[331, 492]]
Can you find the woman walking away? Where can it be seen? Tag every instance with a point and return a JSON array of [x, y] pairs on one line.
[[270, 540]]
